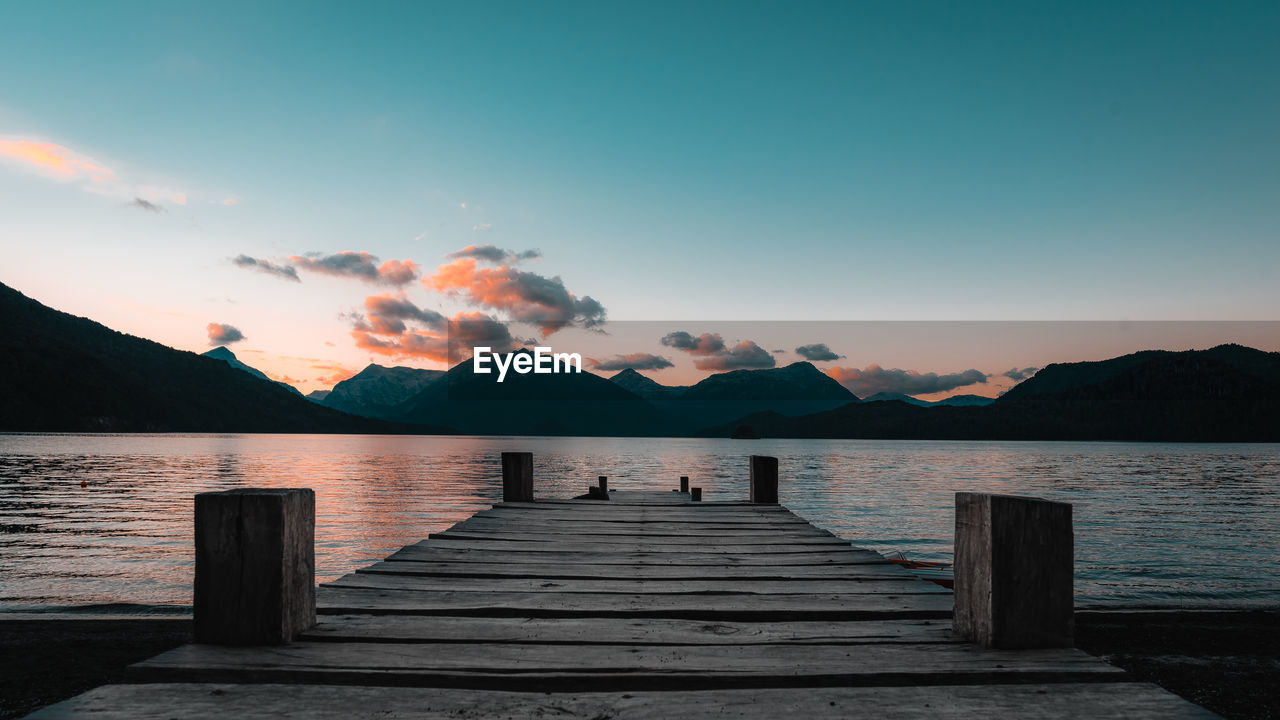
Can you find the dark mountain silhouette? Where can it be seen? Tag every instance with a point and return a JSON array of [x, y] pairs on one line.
[[1225, 394], [896, 397], [223, 353], [531, 404], [796, 389], [1060, 377], [646, 387], [953, 401], [963, 401], [66, 373], [377, 391], [318, 395]]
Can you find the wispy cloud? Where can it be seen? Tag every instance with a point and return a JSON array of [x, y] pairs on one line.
[[147, 205], [704, 344], [223, 334], [817, 352], [64, 164], [527, 297], [53, 160], [285, 272], [875, 379], [1017, 375], [359, 265], [633, 361], [495, 255]]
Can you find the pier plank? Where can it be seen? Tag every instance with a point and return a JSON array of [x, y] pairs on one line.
[[534, 666], [155, 701], [456, 552], [760, 608], [497, 568], [901, 585], [641, 538], [608, 631]]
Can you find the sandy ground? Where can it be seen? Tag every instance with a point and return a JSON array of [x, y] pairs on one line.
[[1228, 662]]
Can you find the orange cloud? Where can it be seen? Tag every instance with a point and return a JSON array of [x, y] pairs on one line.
[[448, 345], [55, 160], [525, 296]]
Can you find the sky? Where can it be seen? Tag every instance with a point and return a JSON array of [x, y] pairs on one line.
[[304, 180]]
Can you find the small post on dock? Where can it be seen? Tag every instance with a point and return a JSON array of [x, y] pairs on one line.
[[695, 494], [764, 479], [684, 483], [517, 477], [604, 483], [1014, 571], [255, 566]]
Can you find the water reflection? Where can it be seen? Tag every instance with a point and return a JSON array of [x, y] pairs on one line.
[[1155, 524]]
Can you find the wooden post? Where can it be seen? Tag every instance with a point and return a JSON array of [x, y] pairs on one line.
[[604, 483], [1014, 571], [764, 479], [255, 566], [696, 493], [517, 477], [684, 483]]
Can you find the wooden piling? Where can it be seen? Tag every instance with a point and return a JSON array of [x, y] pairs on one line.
[[255, 566], [684, 483], [1013, 571], [695, 494], [764, 479], [604, 483], [517, 477]]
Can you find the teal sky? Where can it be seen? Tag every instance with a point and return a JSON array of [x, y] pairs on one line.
[[726, 161]]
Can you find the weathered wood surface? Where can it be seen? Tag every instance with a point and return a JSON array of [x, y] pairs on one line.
[[1139, 701], [457, 552], [882, 585], [608, 631], [638, 605], [664, 571], [535, 667], [1014, 571], [255, 565], [619, 609]]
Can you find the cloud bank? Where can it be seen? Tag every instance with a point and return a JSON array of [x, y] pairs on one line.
[[875, 379]]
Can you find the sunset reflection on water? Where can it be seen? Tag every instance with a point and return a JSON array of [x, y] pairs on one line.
[[1156, 524]]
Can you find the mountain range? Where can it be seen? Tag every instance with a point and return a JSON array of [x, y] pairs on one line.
[[1228, 393], [64, 373]]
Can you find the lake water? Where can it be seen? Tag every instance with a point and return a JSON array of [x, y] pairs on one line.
[[1156, 524]]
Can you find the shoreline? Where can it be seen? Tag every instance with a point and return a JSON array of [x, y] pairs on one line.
[[1223, 659]]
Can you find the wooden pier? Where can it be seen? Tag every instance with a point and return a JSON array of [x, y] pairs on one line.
[[644, 605]]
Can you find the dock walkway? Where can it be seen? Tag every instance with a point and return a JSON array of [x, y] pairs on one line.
[[646, 605]]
